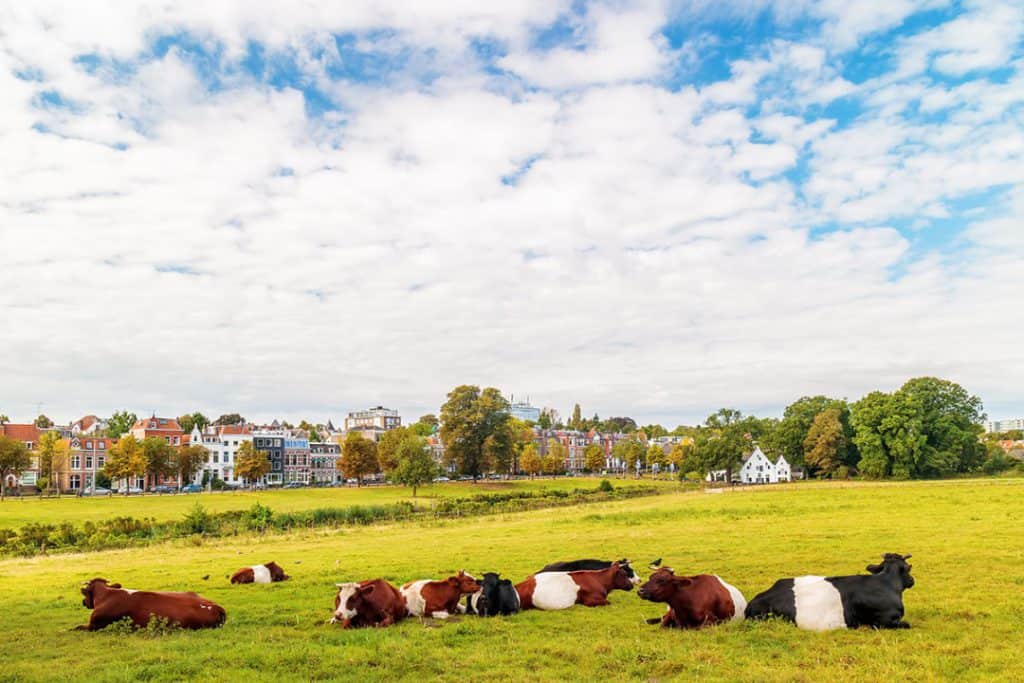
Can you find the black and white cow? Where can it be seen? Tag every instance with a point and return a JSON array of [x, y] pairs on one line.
[[592, 565], [496, 596], [824, 603]]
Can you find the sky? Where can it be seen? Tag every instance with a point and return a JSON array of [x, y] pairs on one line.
[[653, 209]]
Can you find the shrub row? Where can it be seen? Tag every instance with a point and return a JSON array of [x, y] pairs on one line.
[[122, 532]]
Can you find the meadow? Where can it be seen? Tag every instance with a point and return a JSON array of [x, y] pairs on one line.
[[15, 512], [967, 538]]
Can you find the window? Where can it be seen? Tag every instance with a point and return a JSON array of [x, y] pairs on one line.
[[215, 458], [28, 445], [167, 439], [75, 482], [177, 441], [100, 461], [88, 462], [76, 462], [103, 445], [88, 445]]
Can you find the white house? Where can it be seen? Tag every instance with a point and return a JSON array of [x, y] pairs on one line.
[[757, 469], [222, 444], [783, 472]]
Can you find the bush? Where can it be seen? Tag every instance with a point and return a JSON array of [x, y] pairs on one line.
[[605, 486], [197, 521], [258, 517]]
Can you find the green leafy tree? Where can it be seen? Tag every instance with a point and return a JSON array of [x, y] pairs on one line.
[[251, 464], [468, 418], [159, 458], [14, 459], [555, 457], [654, 430], [415, 465], [790, 435], [196, 419], [593, 458], [4, 419], [529, 460], [358, 457], [229, 419], [119, 423], [544, 421], [617, 425], [188, 460], [53, 459], [43, 422], [126, 461], [656, 455], [629, 451], [387, 448], [312, 432], [723, 442], [577, 418], [429, 419], [825, 443], [501, 446]]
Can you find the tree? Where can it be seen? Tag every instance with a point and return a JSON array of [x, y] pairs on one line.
[[529, 460], [722, 444], [654, 430], [312, 432], [251, 464], [825, 444], [788, 437], [554, 460], [358, 457], [189, 460], [4, 419], [125, 461], [387, 448], [416, 466], [119, 423], [623, 425], [629, 451], [53, 458], [429, 419], [577, 418], [682, 456], [159, 458], [593, 458], [544, 421], [229, 419], [43, 422], [501, 445], [656, 455], [196, 419], [468, 418], [14, 459]]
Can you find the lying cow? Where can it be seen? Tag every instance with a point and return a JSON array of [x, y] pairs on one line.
[[368, 603], [439, 599], [260, 573], [824, 603], [561, 590], [110, 602], [496, 596], [693, 601], [590, 565]]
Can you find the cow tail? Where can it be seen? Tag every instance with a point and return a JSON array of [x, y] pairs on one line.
[[222, 616]]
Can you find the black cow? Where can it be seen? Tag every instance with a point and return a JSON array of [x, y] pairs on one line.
[[591, 565], [496, 596], [823, 603]]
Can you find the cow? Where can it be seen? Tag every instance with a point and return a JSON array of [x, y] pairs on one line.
[[693, 601], [368, 603], [824, 603], [110, 602], [260, 573], [496, 596], [590, 565], [561, 590], [439, 599]]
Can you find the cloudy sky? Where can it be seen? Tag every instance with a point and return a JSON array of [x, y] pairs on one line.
[[652, 208]]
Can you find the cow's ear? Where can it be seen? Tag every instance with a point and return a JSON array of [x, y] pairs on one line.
[[339, 585], [683, 580], [115, 585], [366, 590], [874, 568]]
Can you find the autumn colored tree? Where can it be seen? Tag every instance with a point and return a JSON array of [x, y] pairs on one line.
[[387, 447], [188, 461], [529, 460], [125, 461], [159, 458], [14, 459], [251, 464], [53, 459], [469, 418], [825, 444], [358, 457], [593, 458], [554, 461]]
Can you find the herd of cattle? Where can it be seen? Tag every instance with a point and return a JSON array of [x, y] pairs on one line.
[[816, 603]]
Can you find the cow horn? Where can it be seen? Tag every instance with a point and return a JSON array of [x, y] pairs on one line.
[[907, 557]]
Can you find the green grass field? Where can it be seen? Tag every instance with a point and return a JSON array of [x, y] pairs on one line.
[[15, 512], [967, 540]]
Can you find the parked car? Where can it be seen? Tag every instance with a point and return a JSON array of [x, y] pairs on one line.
[[294, 485], [96, 491], [163, 488], [192, 488], [442, 479], [130, 490]]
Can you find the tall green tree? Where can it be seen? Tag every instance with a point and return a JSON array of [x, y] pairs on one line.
[[616, 425], [43, 422], [629, 451], [14, 459], [196, 419], [4, 419], [415, 465], [358, 457], [825, 443], [119, 423], [188, 460], [790, 435], [229, 419], [656, 455], [159, 458], [251, 464], [468, 419], [577, 418], [654, 430], [125, 460], [387, 447], [721, 445]]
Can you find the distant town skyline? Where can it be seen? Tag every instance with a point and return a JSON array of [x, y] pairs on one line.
[[649, 207]]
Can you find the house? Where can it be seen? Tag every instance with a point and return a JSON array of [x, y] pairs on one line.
[[165, 428], [29, 435], [323, 461], [86, 457], [296, 458], [757, 468], [90, 424], [380, 417], [271, 440], [222, 444]]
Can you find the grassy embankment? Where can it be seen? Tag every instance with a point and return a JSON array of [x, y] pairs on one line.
[[967, 538]]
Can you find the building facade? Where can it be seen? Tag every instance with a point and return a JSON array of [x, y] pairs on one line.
[[296, 459], [997, 426], [87, 455], [323, 462], [222, 444], [272, 441], [29, 435], [379, 417]]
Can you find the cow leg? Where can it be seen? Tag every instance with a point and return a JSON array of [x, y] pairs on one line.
[[592, 599], [669, 619], [388, 620]]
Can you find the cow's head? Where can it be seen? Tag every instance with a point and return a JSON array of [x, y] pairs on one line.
[[896, 565], [622, 579], [350, 597], [662, 585], [464, 583], [89, 589], [276, 573], [628, 569], [490, 580]]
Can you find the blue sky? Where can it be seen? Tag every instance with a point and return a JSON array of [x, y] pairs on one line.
[[651, 208]]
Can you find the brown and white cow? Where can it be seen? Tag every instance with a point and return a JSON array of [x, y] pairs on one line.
[[693, 601], [260, 573], [368, 603], [439, 599], [561, 590], [110, 602]]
